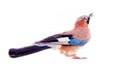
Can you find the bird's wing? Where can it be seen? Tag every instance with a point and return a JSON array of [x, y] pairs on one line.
[[62, 39], [57, 38]]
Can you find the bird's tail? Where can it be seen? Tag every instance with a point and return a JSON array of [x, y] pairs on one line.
[[18, 52]]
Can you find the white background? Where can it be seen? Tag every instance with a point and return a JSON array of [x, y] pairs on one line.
[[22, 22]]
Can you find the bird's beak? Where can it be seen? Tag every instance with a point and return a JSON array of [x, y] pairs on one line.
[[90, 15]]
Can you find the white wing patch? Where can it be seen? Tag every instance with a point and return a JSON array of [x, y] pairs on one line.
[[52, 45], [63, 39]]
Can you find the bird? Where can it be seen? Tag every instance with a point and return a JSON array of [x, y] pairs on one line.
[[68, 42]]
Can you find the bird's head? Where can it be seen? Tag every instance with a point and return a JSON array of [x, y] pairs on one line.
[[83, 21]]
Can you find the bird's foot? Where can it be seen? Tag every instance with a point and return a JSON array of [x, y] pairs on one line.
[[77, 57], [74, 56]]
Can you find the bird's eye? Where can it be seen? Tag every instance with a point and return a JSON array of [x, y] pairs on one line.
[[82, 17]]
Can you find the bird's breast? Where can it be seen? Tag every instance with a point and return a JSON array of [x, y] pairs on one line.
[[82, 34]]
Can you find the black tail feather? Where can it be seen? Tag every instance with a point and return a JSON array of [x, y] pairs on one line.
[[26, 50]]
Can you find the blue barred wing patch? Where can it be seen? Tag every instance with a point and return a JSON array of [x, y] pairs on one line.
[[77, 42]]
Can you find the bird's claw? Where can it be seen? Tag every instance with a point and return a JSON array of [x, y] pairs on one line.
[[79, 58], [76, 57]]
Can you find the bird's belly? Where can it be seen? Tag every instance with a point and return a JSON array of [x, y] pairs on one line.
[[69, 49]]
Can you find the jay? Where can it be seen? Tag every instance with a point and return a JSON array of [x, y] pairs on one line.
[[67, 42]]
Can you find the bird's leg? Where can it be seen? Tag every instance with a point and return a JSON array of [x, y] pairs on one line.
[[74, 56], [67, 55]]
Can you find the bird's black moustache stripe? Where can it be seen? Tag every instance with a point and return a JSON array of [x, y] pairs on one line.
[[88, 20]]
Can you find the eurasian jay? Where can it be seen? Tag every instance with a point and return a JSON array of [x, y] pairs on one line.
[[67, 42]]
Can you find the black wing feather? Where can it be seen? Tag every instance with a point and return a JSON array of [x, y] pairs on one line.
[[50, 39], [54, 38]]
